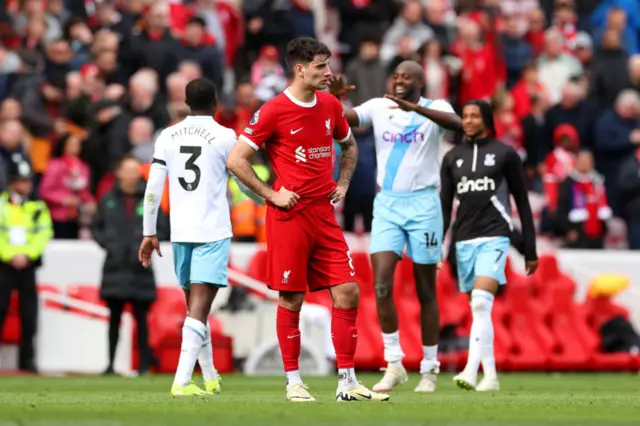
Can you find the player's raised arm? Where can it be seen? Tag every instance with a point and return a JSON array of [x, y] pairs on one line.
[[338, 88], [514, 174], [440, 112], [446, 193]]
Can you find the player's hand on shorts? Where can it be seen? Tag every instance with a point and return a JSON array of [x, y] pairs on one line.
[[148, 245], [337, 87], [531, 266], [284, 198], [402, 104], [338, 194]]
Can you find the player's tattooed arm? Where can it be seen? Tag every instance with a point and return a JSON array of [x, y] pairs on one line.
[[348, 160]]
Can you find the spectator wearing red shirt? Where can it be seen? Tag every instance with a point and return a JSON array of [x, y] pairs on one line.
[[478, 64]]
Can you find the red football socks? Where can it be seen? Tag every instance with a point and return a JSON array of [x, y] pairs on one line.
[[287, 328], [345, 335]]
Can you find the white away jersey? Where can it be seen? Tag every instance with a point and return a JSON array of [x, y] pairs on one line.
[[407, 144], [195, 152]]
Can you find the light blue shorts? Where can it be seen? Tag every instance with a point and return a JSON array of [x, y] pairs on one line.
[[202, 263], [487, 258], [411, 219]]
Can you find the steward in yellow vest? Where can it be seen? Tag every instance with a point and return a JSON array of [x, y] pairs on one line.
[[25, 230]]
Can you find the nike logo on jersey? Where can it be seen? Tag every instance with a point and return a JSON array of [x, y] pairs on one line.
[[293, 337], [293, 132]]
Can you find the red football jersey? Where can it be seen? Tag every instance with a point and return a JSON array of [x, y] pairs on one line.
[[298, 139]]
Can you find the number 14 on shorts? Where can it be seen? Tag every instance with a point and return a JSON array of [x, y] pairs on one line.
[[431, 239]]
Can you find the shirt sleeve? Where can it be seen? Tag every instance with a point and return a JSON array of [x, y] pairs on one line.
[[341, 130], [365, 111], [514, 174], [260, 128], [442, 105], [159, 151], [446, 192]]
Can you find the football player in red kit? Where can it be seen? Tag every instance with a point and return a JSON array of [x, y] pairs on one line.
[[306, 246]]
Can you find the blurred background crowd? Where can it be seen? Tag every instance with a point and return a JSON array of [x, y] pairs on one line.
[[87, 84]]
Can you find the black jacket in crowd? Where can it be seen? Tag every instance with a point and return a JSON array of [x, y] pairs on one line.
[[119, 233]]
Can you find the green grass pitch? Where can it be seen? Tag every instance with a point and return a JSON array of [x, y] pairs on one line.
[[526, 399]]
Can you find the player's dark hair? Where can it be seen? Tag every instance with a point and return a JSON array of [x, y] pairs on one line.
[[302, 50], [486, 112], [201, 95]]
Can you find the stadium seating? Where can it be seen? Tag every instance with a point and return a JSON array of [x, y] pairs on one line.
[[537, 324]]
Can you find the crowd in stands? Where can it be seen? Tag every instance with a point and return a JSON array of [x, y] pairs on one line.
[[85, 83]]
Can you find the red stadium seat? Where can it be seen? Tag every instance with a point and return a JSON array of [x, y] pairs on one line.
[[257, 268], [575, 341], [532, 341]]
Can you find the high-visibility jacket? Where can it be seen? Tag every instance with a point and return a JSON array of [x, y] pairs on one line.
[[25, 228], [243, 208]]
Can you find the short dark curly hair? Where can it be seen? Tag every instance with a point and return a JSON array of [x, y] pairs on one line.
[[302, 50]]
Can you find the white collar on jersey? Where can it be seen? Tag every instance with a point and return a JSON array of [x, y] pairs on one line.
[[198, 117], [299, 102]]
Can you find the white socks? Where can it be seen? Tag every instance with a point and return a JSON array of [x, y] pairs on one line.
[[205, 358], [481, 338], [429, 362], [392, 351], [193, 337], [347, 377], [293, 378]]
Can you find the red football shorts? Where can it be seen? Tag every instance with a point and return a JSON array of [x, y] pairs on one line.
[[306, 249]]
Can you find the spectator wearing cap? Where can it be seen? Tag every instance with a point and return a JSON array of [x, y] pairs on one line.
[[267, 75], [584, 49], [610, 73], [25, 230], [200, 46]]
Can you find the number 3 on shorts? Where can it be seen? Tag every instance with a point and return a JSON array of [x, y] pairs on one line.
[[353, 270]]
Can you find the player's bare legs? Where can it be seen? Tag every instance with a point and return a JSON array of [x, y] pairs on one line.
[[194, 332], [288, 331], [205, 356], [425, 277], [384, 266], [481, 339]]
